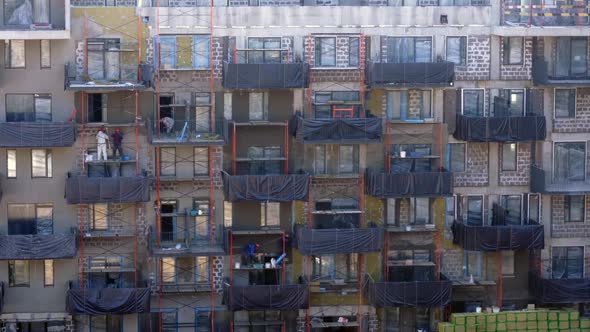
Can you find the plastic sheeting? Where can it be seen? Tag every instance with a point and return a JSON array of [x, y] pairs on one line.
[[500, 129], [35, 246], [429, 74], [82, 189], [338, 241], [108, 301], [423, 184], [494, 238], [36, 134], [559, 290], [410, 294], [266, 76], [315, 131], [266, 188], [268, 297]]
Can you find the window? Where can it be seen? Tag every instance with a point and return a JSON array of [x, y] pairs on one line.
[[507, 263], [513, 50], [567, 262], [168, 270], [227, 213], [319, 162], [45, 53], [509, 157], [99, 216], [450, 213], [103, 59], [410, 211], [475, 210], [41, 164], [270, 214], [18, 12], [169, 321], [201, 165], [203, 319], [325, 52], [353, 51], [409, 49], [409, 104], [456, 162], [571, 59], [331, 267], [325, 103], [574, 208], [168, 161], [258, 106], [472, 264], [534, 208], [515, 103], [410, 158], [565, 103], [48, 278], [201, 219], [457, 50], [14, 54], [106, 323], [30, 219], [512, 208], [11, 164], [202, 112], [473, 102], [99, 263], [264, 159], [18, 273], [422, 210], [28, 108], [202, 269], [346, 161], [569, 161], [269, 50]]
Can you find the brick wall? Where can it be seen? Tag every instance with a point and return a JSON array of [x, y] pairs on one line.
[[520, 177], [476, 170], [521, 71], [579, 124], [562, 229], [478, 60], [452, 264]]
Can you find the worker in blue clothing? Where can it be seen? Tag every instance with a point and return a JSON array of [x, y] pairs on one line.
[[249, 253]]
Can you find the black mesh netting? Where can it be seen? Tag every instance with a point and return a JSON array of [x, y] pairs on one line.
[[108, 301], [266, 188], [36, 134], [82, 189]]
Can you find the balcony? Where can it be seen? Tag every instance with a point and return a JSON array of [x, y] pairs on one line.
[[89, 190], [543, 182], [435, 293], [129, 78], [559, 15], [498, 237], [317, 242], [265, 69], [419, 184], [559, 290], [51, 20], [107, 301], [543, 76], [500, 128], [337, 130], [38, 246], [267, 297], [411, 75], [189, 131], [186, 238], [266, 188], [37, 134]]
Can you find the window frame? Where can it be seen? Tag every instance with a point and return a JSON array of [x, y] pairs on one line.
[[506, 48], [8, 54], [512, 270], [48, 66], [11, 277], [450, 157], [482, 210], [567, 209], [553, 161], [555, 103], [425, 112], [92, 217], [318, 52], [462, 53], [479, 258], [106, 42], [414, 38], [264, 214], [503, 166], [48, 164], [8, 170], [483, 111], [45, 272], [197, 161], [36, 96], [172, 164], [571, 246]]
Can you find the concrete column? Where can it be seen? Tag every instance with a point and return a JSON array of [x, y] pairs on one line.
[[495, 57]]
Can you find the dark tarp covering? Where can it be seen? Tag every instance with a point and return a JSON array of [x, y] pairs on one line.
[[422, 184], [108, 301], [500, 129], [82, 189], [494, 238], [559, 290], [266, 188], [338, 130], [36, 134], [266, 76], [410, 294], [412, 74], [267, 297], [36, 246], [338, 241]]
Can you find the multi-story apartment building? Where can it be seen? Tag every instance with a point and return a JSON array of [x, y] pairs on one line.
[[290, 166]]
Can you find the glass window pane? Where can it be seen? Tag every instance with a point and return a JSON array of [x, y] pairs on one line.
[[579, 56], [48, 279], [473, 102], [513, 50], [167, 56], [512, 205], [202, 269], [474, 211], [45, 53], [456, 50], [353, 52], [457, 156], [16, 54], [18, 273], [43, 109], [201, 166], [100, 213], [565, 103], [422, 211], [201, 52], [255, 106], [326, 52], [509, 156], [20, 107], [11, 163], [423, 50], [346, 161], [40, 162], [168, 270], [574, 206], [21, 219], [507, 263], [320, 159], [534, 208], [44, 214], [569, 161]]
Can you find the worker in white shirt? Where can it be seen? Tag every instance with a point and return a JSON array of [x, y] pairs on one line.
[[168, 123], [101, 141]]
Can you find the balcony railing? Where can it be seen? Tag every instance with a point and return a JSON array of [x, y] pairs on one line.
[[88, 190], [559, 290], [500, 128], [107, 301], [317, 242], [267, 297], [310, 3], [188, 132], [266, 76], [543, 76], [186, 240], [543, 182], [498, 237], [38, 246], [425, 184], [561, 14], [428, 74], [137, 77], [436, 293], [37, 134], [266, 188], [337, 130]]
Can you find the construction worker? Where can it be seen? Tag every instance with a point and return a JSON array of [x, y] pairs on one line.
[[117, 137], [249, 253], [168, 123], [101, 143]]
